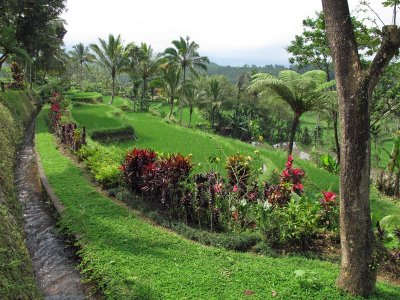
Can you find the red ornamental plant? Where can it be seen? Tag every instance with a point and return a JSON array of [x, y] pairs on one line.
[[328, 200], [168, 172], [293, 176], [18, 77], [329, 204], [138, 166], [290, 182], [56, 109]]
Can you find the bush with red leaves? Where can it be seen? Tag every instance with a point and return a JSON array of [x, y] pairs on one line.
[[290, 182], [18, 82], [137, 167]]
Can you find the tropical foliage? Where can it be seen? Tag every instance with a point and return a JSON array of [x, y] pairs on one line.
[[302, 92]]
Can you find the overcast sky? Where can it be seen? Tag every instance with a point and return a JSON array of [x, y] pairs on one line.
[[229, 32]]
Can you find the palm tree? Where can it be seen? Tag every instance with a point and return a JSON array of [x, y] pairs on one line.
[[240, 84], [171, 84], [184, 54], [303, 93], [214, 97], [112, 56], [9, 46], [192, 94], [81, 54], [132, 68], [149, 66]]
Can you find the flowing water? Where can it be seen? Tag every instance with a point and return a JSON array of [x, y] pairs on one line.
[[54, 262]]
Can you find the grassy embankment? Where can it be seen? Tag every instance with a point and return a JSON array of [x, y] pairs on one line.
[[155, 133], [132, 259], [16, 276]]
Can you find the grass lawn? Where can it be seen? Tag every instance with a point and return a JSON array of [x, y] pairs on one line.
[[132, 259]]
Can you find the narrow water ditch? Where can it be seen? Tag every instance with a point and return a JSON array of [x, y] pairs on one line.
[[54, 262]]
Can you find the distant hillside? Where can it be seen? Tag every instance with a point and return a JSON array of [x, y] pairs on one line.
[[232, 73]]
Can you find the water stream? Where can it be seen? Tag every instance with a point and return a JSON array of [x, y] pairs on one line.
[[54, 262]]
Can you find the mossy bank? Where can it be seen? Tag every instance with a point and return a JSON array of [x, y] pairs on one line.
[[17, 109]]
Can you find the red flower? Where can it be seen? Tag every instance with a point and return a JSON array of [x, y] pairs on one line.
[[298, 172], [286, 174], [298, 187], [328, 197], [217, 188], [235, 188]]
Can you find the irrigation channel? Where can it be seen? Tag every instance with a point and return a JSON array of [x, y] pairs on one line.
[[54, 261]]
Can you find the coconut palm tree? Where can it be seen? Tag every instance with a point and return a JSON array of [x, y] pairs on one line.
[[81, 55], [149, 66], [9, 46], [192, 95], [171, 84], [184, 54], [214, 94], [112, 56], [303, 93]]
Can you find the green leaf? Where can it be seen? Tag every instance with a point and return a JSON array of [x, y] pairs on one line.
[[299, 273], [385, 221]]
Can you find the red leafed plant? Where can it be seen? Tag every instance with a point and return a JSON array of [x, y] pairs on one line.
[[293, 176], [330, 212], [290, 182], [137, 166], [167, 175], [18, 82], [56, 110]]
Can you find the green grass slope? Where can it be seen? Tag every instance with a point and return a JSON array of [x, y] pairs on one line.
[[155, 133], [132, 259], [16, 276]]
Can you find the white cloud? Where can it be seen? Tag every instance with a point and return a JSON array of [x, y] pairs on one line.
[[226, 30]]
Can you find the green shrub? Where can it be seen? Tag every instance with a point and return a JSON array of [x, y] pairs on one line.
[[86, 97], [109, 135], [9, 137], [329, 163], [46, 91], [101, 164], [238, 170], [20, 105], [231, 241], [291, 226], [126, 108]]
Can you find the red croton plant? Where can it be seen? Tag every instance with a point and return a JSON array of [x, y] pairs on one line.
[[55, 109], [290, 182]]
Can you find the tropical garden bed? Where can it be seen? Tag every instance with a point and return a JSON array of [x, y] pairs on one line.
[[128, 257]]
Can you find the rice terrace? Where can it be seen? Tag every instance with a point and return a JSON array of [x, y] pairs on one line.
[[199, 156]]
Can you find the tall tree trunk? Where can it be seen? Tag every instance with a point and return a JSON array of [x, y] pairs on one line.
[[212, 117], [144, 91], [172, 107], [355, 86], [190, 114], [296, 121], [81, 72], [335, 129], [3, 59], [183, 96], [113, 90]]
